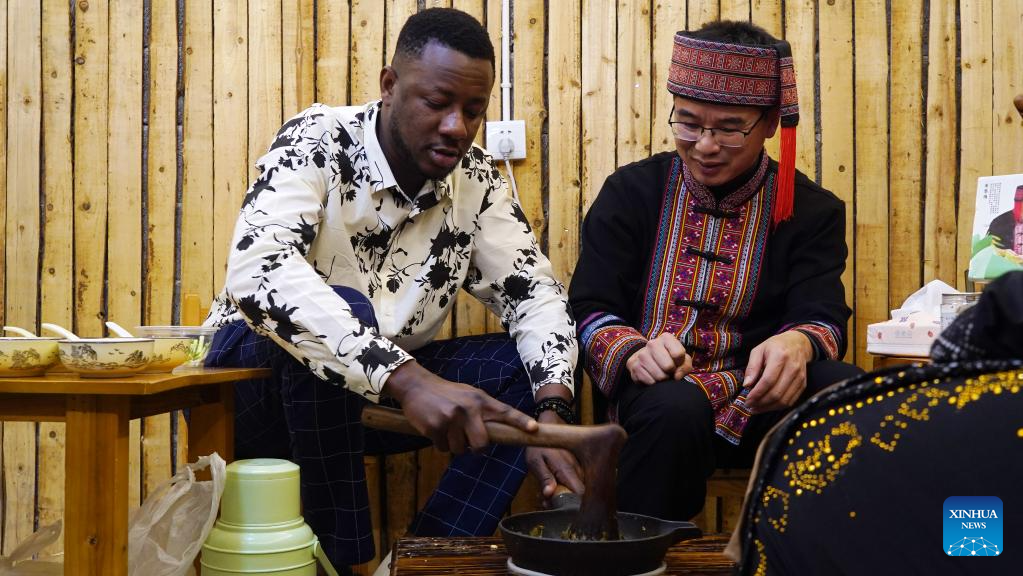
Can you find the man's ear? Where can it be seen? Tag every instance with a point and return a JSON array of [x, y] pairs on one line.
[[771, 119], [388, 81]]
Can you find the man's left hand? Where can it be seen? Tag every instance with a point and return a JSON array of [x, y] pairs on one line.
[[777, 371], [553, 466]]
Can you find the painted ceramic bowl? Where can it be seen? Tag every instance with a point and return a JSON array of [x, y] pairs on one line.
[[106, 357], [168, 354], [26, 356], [177, 345]]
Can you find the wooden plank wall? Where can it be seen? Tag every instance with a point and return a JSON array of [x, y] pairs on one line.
[[119, 196]]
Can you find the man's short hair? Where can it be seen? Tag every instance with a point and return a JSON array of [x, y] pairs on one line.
[[449, 27], [734, 32]]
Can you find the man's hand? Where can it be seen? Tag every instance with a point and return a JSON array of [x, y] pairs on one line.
[[449, 413], [777, 371], [663, 358], [553, 466]]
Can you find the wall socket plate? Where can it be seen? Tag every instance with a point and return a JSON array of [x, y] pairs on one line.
[[510, 132]]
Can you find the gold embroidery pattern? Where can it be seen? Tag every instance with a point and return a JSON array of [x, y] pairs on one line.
[[761, 569], [917, 406], [781, 520], [820, 467]]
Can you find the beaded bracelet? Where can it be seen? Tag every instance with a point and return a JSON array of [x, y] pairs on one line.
[[559, 405]]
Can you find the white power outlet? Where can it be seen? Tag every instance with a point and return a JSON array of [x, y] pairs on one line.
[[507, 139]]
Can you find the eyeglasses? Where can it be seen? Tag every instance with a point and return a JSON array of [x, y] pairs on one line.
[[727, 137]]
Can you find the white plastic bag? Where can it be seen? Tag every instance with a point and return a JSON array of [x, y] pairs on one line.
[[167, 532], [20, 562]]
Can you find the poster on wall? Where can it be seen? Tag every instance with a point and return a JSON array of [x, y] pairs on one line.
[[997, 245]]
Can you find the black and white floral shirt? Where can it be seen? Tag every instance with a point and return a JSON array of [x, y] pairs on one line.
[[326, 210]]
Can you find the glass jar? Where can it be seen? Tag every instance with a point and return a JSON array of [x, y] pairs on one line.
[[953, 305]]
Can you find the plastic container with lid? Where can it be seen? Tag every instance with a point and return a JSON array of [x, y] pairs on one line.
[[261, 529]]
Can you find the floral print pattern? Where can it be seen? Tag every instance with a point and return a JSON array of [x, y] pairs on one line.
[[327, 210]]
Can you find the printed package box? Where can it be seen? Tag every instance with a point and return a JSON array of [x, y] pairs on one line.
[[997, 245]]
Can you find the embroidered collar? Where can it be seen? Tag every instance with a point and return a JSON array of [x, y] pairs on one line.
[[732, 201], [382, 177]]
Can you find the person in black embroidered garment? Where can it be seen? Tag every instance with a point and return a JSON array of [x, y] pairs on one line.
[[708, 289], [347, 255]]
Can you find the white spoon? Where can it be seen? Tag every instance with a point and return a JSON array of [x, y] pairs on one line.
[[19, 331], [119, 330], [59, 330]]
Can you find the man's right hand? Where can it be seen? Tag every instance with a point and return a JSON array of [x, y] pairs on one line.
[[663, 358], [450, 414]]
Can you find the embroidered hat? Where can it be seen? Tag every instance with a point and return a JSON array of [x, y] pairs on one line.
[[743, 75]]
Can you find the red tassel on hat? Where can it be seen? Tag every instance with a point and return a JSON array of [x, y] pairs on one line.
[[784, 188]]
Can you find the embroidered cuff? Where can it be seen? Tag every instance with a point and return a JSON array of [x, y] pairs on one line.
[[824, 337], [608, 343]]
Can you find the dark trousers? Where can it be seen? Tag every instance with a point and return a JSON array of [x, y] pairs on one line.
[[296, 416], [672, 447]]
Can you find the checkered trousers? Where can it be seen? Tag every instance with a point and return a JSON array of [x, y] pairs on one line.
[[296, 416]]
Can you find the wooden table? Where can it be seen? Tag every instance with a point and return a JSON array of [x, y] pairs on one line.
[[487, 556], [884, 361], [97, 412]]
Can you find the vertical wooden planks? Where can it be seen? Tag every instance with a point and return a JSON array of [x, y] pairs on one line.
[[836, 48], [906, 143], [90, 164], [940, 217], [24, 117], [565, 100], [21, 242], [124, 171], [55, 285], [735, 10], [598, 79], [528, 104], [161, 172], [800, 31], [493, 24], [768, 15], [196, 273], [124, 179], [871, 171], [297, 55], [633, 81], [398, 12], [470, 316], [668, 18], [1007, 134], [977, 123], [90, 131], [23, 50], [197, 184], [264, 77], [230, 125], [367, 55], [161, 184], [332, 52], [701, 12], [3, 167]]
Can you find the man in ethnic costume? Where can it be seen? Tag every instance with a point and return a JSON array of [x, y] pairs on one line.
[[708, 291]]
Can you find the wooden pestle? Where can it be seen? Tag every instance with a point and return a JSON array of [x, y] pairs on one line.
[[596, 449]]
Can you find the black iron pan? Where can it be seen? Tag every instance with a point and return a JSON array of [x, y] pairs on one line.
[[535, 541]]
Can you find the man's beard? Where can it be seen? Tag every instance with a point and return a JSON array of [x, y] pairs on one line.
[[400, 147], [404, 152]]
